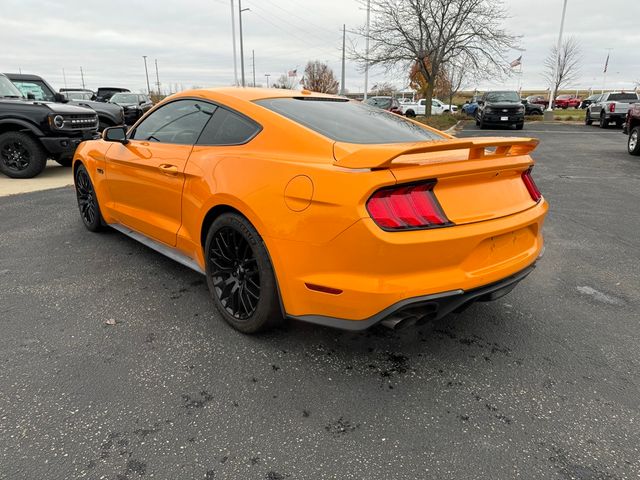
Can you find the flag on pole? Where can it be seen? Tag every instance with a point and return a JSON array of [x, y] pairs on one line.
[[293, 73], [606, 64], [516, 62]]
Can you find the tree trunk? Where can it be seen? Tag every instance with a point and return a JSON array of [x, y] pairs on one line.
[[427, 99]]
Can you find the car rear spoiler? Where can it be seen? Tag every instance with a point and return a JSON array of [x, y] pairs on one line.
[[349, 155]]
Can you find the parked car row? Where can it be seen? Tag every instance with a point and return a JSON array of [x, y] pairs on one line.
[[37, 122], [32, 131], [409, 108]]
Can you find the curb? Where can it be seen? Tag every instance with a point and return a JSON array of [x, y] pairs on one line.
[[456, 128]]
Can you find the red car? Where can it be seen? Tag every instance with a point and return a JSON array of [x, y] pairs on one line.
[[567, 101], [538, 100]]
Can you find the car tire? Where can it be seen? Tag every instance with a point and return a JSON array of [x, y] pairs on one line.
[[587, 118], [21, 155], [87, 200], [65, 162], [633, 144], [240, 276], [410, 113], [604, 123], [481, 124], [519, 126]]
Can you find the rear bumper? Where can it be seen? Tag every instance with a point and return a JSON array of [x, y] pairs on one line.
[[615, 116], [375, 270], [417, 310]]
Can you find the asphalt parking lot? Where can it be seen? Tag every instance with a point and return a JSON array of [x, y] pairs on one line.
[[542, 384]]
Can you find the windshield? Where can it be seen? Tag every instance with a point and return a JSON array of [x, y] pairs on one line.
[[8, 89], [503, 97], [78, 95], [124, 98], [349, 121], [39, 90]]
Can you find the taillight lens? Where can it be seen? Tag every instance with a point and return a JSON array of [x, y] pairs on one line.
[[407, 207], [531, 185], [612, 107]]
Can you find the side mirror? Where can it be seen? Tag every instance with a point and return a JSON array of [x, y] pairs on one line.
[[115, 134], [59, 98], [31, 96]]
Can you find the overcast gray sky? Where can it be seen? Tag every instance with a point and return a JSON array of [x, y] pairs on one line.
[[191, 39]]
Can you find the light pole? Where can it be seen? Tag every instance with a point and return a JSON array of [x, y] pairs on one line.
[[233, 34], [548, 114], [157, 77], [344, 27], [146, 71], [267, 75], [240, 10], [366, 49]]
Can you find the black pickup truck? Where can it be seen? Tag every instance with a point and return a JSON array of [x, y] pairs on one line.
[[109, 115], [32, 131]]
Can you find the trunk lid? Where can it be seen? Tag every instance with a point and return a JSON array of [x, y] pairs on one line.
[[477, 178]]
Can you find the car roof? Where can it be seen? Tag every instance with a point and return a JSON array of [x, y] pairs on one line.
[[23, 76], [250, 94]]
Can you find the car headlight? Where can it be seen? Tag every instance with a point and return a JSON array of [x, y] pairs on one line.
[[488, 110], [58, 121], [521, 109]]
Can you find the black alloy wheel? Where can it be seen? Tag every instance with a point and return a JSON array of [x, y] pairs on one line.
[[87, 201], [240, 276], [236, 278], [21, 156]]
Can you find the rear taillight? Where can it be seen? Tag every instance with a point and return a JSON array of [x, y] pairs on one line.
[[407, 207], [612, 107], [531, 185]]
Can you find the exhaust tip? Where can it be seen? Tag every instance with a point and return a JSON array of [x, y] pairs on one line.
[[399, 323]]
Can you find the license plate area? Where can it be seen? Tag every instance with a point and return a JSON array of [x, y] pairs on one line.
[[504, 119]]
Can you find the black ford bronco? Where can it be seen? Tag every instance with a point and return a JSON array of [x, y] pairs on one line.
[[32, 131]]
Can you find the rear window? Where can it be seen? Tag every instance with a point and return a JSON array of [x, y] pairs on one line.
[[379, 102], [349, 121], [617, 97]]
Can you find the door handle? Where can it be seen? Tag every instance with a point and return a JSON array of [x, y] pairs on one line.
[[168, 169]]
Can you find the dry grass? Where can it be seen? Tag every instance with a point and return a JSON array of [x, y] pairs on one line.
[[442, 122]]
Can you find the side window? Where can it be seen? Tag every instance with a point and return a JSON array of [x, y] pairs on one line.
[[38, 90], [179, 122], [423, 102], [228, 128]]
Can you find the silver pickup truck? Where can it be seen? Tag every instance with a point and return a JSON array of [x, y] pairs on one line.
[[610, 107]]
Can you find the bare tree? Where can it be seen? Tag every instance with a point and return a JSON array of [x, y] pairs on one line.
[[385, 89], [568, 64], [285, 81], [432, 33], [457, 75], [318, 77]]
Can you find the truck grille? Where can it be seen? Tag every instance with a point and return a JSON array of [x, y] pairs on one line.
[[81, 122]]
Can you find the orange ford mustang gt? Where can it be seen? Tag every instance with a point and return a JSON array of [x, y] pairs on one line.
[[313, 207]]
